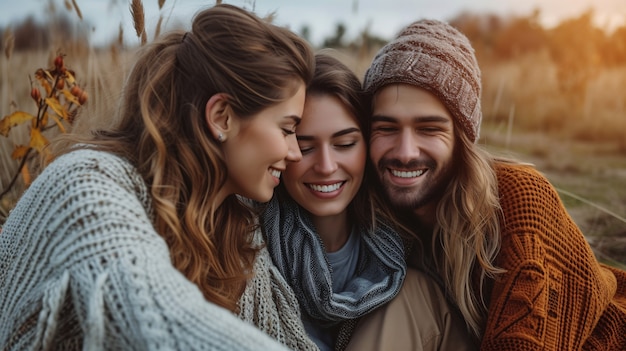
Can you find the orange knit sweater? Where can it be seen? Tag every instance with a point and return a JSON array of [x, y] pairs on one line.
[[555, 295]]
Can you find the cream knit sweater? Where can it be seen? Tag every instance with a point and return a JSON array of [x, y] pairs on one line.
[[81, 267]]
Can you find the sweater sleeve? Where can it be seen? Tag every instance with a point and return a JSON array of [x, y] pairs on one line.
[[92, 249], [554, 290]]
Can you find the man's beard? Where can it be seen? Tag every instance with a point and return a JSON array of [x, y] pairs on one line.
[[409, 199]]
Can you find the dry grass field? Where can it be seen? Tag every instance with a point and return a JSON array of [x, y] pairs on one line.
[[578, 142]]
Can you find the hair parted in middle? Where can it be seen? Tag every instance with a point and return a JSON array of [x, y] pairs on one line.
[[163, 131], [333, 78]]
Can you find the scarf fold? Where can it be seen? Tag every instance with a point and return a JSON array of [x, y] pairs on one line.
[[299, 254], [270, 304]]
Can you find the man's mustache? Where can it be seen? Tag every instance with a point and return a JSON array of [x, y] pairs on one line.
[[397, 164]]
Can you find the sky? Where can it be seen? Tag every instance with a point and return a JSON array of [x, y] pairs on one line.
[[383, 17]]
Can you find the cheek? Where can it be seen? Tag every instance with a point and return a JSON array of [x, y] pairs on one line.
[[377, 148], [440, 149], [359, 159], [269, 146], [295, 170]]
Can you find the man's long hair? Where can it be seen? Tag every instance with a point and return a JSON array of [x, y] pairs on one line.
[[468, 231]]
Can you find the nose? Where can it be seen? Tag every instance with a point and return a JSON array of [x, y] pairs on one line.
[[293, 150], [325, 162], [408, 147]]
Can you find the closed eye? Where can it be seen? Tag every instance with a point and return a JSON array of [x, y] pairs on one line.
[[384, 129], [346, 145], [430, 129], [305, 149]]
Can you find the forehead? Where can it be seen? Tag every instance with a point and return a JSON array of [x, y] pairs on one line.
[[407, 101], [324, 112]]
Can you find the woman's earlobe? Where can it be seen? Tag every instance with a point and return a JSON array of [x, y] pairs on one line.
[[217, 115]]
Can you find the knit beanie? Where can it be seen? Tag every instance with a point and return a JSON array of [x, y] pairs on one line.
[[434, 56]]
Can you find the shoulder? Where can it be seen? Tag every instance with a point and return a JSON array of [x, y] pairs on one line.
[[82, 205], [517, 173], [90, 160], [85, 167], [520, 180], [84, 180], [527, 198]]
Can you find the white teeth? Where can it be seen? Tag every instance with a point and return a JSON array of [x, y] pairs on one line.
[[405, 174], [275, 172], [325, 188]]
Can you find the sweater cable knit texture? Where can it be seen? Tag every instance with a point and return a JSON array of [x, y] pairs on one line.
[[555, 295], [82, 267]]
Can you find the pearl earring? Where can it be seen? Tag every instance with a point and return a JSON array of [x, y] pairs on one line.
[[220, 137]]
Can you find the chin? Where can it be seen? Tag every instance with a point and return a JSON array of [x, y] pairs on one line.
[[327, 212], [264, 197]]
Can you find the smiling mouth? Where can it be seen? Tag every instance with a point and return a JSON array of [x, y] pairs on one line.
[[325, 188], [407, 174], [275, 173]]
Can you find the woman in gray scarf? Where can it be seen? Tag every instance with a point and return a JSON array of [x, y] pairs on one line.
[[321, 227]]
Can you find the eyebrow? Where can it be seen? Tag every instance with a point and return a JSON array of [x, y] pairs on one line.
[[296, 119], [419, 119], [335, 135]]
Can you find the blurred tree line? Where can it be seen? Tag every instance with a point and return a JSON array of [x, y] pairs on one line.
[[578, 48], [30, 34]]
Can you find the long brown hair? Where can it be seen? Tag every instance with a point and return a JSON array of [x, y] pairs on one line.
[[162, 130], [468, 229]]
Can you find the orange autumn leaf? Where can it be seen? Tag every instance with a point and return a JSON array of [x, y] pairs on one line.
[[54, 83], [41, 76], [26, 175], [47, 73], [44, 119], [46, 86], [69, 97], [59, 124], [12, 120], [54, 104], [37, 140], [69, 77], [19, 152]]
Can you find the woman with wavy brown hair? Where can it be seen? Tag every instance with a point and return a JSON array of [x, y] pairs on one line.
[[134, 236]]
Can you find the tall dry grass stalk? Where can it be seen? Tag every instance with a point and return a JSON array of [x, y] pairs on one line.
[[157, 31], [5, 144], [80, 15], [509, 129], [120, 36], [9, 43], [138, 14]]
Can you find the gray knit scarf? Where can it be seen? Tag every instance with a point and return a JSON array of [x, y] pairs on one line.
[[297, 251]]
